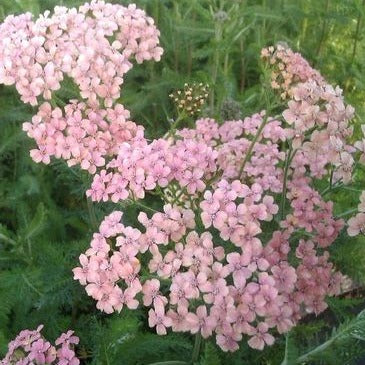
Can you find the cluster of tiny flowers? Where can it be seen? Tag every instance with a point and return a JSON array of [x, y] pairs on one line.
[[193, 160], [317, 113], [94, 45], [288, 68], [212, 265], [80, 134], [234, 288], [141, 166], [29, 347], [191, 99]]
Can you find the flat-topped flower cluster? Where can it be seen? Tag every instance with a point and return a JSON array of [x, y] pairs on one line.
[[240, 246], [94, 45], [211, 262], [29, 347]]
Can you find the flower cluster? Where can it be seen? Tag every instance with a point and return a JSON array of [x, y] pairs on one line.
[[211, 273], [213, 265], [193, 160], [240, 246], [29, 347], [191, 99], [93, 45], [317, 113], [80, 134], [288, 68]]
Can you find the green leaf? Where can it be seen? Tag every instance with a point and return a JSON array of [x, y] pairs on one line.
[[37, 224]]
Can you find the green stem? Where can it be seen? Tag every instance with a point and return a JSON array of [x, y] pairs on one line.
[[331, 177], [178, 196], [323, 32], [348, 212], [252, 145], [288, 161], [174, 125], [135, 202], [243, 69], [357, 32], [7, 239], [92, 215], [334, 186], [196, 349], [283, 194], [31, 285], [216, 61], [286, 353]]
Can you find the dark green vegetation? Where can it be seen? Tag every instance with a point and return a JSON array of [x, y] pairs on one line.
[[45, 221]]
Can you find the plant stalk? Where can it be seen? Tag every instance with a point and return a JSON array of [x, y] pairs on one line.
[[357, 32], [252, 145], [196, 349]]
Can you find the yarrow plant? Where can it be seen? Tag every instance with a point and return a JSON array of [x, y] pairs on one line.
[[215, 266], [239, 249], [29, 347]]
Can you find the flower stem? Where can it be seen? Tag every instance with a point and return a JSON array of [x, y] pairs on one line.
[[175, 125], [90, 208], [196, 349], [252, 145], [357, 33], [137, 203], [348, 212], [288, 161]]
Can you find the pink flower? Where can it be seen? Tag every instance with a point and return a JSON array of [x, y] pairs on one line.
[[215, 218], [261, 337], [108, 299], [237, 265], [229, 341], [201, 322], [127, 297], [81, 273], [158, 319], [178, 318], [193, 180], [38, 351], [151, 294]]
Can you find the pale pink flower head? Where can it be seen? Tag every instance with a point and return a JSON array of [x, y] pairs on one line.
[[356, 225], [261, 337], [158, 319]]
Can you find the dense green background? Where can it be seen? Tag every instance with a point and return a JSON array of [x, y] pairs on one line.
[[45, 222]]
